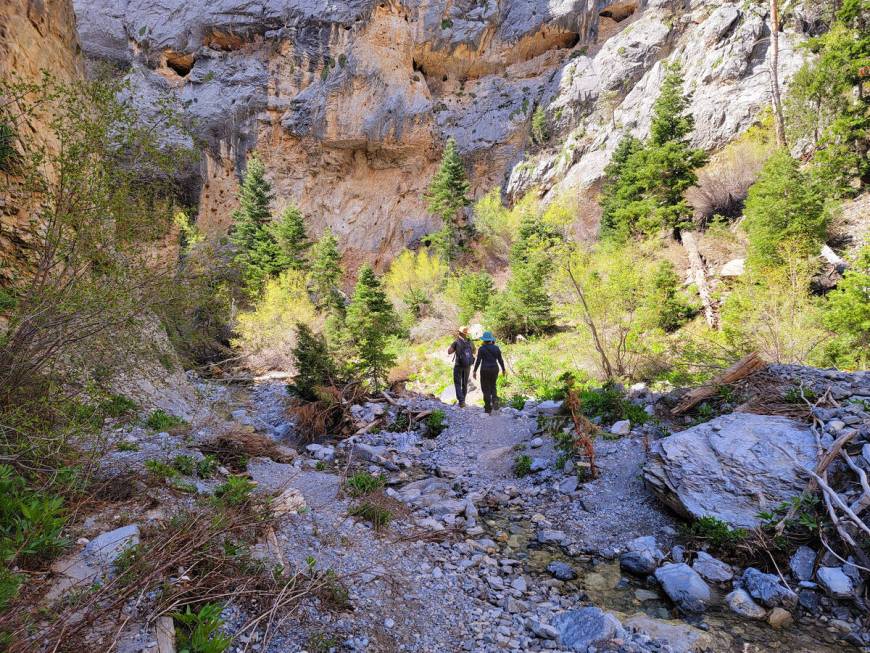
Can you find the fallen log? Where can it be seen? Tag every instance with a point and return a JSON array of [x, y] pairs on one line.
[[743, 368], [699, 274]]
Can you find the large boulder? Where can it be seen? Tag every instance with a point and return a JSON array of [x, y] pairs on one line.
[[731, 467]]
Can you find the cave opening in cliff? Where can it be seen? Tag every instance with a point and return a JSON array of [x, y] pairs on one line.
[[179, 62], [609, 19]]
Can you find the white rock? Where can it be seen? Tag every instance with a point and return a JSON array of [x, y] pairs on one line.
[[733, 268], [622, 427], [834, 581]]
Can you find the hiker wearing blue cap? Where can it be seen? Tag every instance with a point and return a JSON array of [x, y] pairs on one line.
[[488, 361]]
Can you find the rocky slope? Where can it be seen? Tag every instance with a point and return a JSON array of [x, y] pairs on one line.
[[350, 103]]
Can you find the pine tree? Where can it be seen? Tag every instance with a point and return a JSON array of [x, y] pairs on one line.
[[644, 184], [326, 274], [257, 250], [313, 363], [783, 206], [292, 239], [371, 320], [446, 197]]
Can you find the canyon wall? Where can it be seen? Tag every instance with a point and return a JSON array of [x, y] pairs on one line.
[[350, 103]]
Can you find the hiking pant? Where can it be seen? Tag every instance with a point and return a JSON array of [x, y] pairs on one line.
[[460, 381], [488, 380]]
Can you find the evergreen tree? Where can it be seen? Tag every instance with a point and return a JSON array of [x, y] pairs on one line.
[[326, 274], [669, 310], [644, 186], [371, 320], [783, 206], [313, 362], [257, 251], [847, 314], [290, 233], [446, 197]]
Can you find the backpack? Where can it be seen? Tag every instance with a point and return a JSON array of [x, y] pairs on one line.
[[464, 353]]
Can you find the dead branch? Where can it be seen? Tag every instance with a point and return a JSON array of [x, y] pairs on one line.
[[746, 366]]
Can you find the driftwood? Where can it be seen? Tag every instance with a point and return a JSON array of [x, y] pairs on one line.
[[746, 366], [165, 632], [699, 275]]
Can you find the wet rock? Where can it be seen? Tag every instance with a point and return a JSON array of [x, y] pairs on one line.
[[779, 618], [809, 600], [684, 586], [680, 636], [547, 536], [639, 563], [561, 571], [835, 583], [768, 589], [731, 467], [802, 562], [741, 603], [712, 568], [622, 427], [580, 629]]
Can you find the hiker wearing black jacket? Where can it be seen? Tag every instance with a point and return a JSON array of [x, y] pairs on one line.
[[488, 361], [463, 357]]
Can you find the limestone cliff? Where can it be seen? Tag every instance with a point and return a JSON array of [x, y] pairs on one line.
[[36, 36], [349, 103]]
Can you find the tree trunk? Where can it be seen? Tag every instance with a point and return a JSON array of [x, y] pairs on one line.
[[779, 121], [587, 317], [699, 273]]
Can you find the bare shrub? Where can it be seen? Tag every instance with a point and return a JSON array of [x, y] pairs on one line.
[[723, 183]]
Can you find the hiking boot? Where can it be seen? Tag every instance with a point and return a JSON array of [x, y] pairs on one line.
[[462, 404]]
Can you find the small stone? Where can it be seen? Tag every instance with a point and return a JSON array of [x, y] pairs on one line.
[[741, 603], [768, 589], [538, 464], [547, 536], [389, 623], [645, 595], [809, 600], [780, 618], [678, 554], [835, 426], [622, 427], [495, 582], [519, 584], [561, 571], [712, 568], [802, 562], [569, 485], [583, 628], [542, 630], [536, 443], [640, 563], [684, 586], [835, 583]]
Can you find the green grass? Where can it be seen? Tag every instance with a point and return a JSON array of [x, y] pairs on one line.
[[714, 531], [522, 465], [436, 422], [127, 446], [184, 464], [160, 469], [363, 483], [206, 467], [118, 406], [376, 515], [160, 420]]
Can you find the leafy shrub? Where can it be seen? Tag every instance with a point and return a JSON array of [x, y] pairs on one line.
[[517, 402], [236, 491], [610, 405], [184, 464], [400, 424], [160, 420], [846, 312], [7, 146], [160, 469], [472, 293], [267, 333], [206, 467], [436, 422], [806, 519], [31, 523], [522, 465], [363, 483], [539, 126], [376, 515], [414, 279], [200, 632]]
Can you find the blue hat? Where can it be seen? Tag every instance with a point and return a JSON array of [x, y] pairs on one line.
[[487, 336]]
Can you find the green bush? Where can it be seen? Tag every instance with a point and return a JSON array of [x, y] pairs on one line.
[[118, 406], [363, 483], [200, 632], [160, 420], [784, 208], [236, 491], [539, 126], [436, 422], [517, 402], [31, 523], [184, 464], [7, 147], [206, 467], [846, 312], [522, 465], [160, 469], [314, 364], [475, 291], [714, 531]]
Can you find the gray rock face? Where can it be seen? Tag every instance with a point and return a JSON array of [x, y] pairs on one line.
[[712, 568], [731, 468], [802, 562], [684, 586], [768, 589], [834, 582], [580, 629], [741, 603]]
